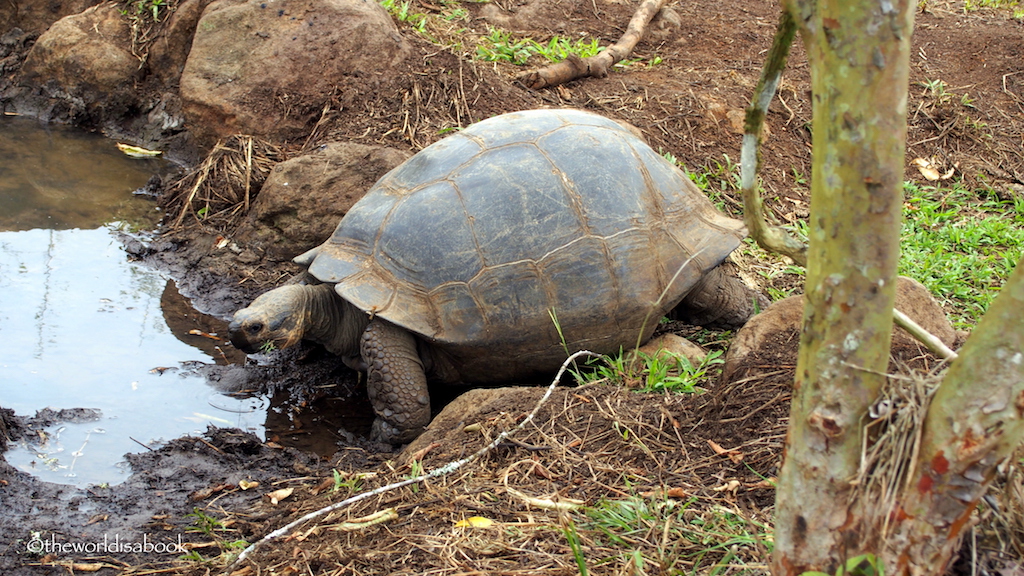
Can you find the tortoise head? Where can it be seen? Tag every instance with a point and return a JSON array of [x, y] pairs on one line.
[[276, 319]]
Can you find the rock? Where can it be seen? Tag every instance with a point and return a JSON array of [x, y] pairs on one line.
[[674, 344], [268, 68], [85, 68], [770, 340], [170, 49], [303, 198], [469, 408], [36, 15]]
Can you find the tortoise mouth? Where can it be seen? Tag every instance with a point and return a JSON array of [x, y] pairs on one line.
[[238, 338]]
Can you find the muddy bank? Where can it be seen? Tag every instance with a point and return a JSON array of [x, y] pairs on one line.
[[145, 520]]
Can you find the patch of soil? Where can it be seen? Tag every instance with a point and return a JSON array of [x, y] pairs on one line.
[[706, 453]]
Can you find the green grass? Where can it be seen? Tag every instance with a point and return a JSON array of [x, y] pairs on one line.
[[664, 372], [1012, 5], [142, 10], [961, 244], [500, 46], [660, 535]]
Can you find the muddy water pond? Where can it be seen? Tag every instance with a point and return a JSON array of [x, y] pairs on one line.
[[83, 327]]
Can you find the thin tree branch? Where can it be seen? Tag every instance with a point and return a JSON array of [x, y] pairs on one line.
[[775, 238]]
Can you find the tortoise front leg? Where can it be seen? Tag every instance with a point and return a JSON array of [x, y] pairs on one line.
[[395, 382]]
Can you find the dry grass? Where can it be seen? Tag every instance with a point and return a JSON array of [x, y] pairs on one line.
[[221, 188], [657, 496]]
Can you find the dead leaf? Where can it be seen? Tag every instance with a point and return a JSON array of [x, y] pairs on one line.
[[278, 495], [356, 524], [97, 518], [419, 454], [670, 493], [247, 484], [541, 471], [325, 484], [930, 170], [205, 493], [87, 567], [547, 503], [735, 455], [729, 486], [475, 522]]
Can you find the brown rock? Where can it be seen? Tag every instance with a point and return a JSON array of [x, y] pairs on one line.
[[36, 15], [169, 50], [303, 198], [268, 68], [85, 61], [769, 341], [469, 408], [674, 344]]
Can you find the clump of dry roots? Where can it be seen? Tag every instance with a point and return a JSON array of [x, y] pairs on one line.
[[892, 442], [221, 188]]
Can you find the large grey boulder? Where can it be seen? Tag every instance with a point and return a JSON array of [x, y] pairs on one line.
[[267, 68]]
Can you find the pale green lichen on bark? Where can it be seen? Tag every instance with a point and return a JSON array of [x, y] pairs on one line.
[[975, 421], [850, 287]]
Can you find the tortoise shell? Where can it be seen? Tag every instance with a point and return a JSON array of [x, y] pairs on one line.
[[478, 242]]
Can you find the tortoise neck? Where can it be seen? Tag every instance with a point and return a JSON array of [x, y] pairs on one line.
[[333, 321]]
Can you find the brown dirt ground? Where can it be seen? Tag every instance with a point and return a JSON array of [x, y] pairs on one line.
[[596, 442]]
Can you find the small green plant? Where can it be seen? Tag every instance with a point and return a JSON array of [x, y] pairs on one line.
[[1013, 5], [203, 522], [709, 541], [863, 565], [192, 556], [144, 9], [415, 470], [351, 483], [400, 11], [664, 371], [937, 90], [675, 373], [268, 347], [574, 544]]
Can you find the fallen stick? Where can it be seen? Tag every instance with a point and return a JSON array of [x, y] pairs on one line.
[[574, 67]]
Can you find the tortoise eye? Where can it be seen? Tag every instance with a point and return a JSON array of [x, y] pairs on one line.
[[254, 328]]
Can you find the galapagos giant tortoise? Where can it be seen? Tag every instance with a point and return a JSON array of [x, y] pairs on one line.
[[452, 267]]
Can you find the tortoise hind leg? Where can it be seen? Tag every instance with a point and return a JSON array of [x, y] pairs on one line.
[[395, 383], [720, 300]]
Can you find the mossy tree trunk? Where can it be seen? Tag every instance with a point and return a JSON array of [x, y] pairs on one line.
[[859, 58]]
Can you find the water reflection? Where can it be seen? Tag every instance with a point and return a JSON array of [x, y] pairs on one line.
[[56, 177], [80, 325]]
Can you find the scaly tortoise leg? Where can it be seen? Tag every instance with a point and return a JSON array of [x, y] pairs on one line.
[[395, 383]]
